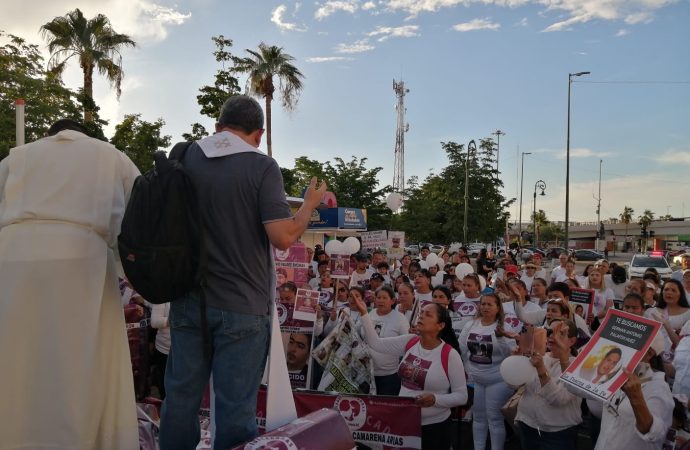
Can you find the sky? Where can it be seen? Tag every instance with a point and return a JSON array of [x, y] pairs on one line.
[[471, 67]]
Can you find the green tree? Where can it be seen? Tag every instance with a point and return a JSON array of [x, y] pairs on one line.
[[645, 220], [353, 184], [434, 211], [538, 218], [94, 42], [140, 139], [262, 66], [198, 132], [626, 217], [22, 75], [211, 98]]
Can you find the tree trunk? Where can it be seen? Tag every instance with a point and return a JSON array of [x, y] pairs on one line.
[[88, 92], [269, 145]]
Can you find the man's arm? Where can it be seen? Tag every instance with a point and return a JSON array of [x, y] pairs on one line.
[[283, 233]]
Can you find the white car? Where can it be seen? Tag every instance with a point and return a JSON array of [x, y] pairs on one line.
[[642, 262]]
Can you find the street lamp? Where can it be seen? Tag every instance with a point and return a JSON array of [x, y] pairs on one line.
[[498, 134], [567, 160], [538, 185], [470, 147], [522, 176]]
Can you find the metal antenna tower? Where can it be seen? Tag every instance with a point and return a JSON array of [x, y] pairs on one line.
[[399, 174]]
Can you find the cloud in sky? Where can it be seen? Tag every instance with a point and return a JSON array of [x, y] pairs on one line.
[[477, 24], [323, 59], [622, 32], [674, 157], [630, 11], [368, 6], [360, 46], [388, 32], [584, 153], [143, 20], [277, 18], [523, 22], [332, 6]]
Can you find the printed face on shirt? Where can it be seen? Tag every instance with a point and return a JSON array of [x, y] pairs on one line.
[[480, 347]]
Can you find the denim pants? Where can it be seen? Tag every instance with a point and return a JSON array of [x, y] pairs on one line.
[[533, 439], [487, 417], [239, 350]]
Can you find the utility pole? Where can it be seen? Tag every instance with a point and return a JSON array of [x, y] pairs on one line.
[[498, 134], [596, 246], [399, 167], [522, 175]]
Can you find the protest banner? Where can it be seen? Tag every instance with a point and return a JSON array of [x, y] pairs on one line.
[[305, 305], [396, 244], [377, 422], [292, 265], [297, 336], [340, 266], [374, 239], [584, 298], [621, 341], [346, 359]]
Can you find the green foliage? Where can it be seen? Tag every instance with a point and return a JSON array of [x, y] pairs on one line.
[[139, 140], [93, 42], [198, 132], [225, 84], [645, 219], [353, 184], [22, 76], [434, 210]]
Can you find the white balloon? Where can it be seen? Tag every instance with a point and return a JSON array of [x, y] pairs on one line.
[[351, 245], [394, 201], [334, 247], [463, 269], [431, 259], [517, 370]]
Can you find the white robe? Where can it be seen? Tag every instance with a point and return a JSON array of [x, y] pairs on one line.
[[65, 378]]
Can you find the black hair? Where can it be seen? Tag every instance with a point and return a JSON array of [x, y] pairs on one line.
[[358, 289], [560, 287], [634, 296], [618, 275], [683, 301], [443, 288], [389, 290], [241, 113], [383, 264], [425, 272], [446, 334], [66, 124]]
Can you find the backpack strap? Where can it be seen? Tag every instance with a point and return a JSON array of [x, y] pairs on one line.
[[411, 343]]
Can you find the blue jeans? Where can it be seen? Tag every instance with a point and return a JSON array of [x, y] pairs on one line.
[[239, 350], [533, 439]]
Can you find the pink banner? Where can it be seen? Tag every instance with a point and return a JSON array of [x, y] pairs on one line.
[[388, 423]]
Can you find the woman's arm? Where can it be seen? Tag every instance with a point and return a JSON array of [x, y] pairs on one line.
[[391, 345], [458, 384]]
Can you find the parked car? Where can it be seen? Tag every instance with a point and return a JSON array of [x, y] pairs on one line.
[[641, 262], [412, 249], [436, 248], [554, 252], [474, 249], [586, 255]]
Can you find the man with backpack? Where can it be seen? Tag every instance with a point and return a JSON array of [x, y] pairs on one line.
[[244, 212]]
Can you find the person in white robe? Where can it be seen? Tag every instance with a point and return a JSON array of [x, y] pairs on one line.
[[65, 378]]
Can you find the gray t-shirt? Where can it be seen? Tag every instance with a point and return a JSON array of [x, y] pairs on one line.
[[238, 194]]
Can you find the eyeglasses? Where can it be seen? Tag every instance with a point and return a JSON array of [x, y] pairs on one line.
[[342, 290]]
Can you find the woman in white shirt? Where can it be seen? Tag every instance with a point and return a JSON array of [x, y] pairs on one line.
[[437, 386], [387, 323], [405, 301], [603, 296], [484, 346], [422, 286], [673, 311], [548, 414]]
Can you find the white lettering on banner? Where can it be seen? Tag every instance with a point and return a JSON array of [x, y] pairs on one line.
[[350, 216]]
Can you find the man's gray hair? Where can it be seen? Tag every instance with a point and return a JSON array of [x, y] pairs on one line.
[[242, 113]]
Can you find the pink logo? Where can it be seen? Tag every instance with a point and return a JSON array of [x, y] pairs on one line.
[[353, 410]]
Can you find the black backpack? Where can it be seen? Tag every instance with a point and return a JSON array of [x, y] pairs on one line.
[[161, 242]]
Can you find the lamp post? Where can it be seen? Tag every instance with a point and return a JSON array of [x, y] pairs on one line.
[[470, 147], [567, 160], [498, 134], [522, 176], [538, 185]]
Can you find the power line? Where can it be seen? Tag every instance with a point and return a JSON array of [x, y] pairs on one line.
[[634, 82]]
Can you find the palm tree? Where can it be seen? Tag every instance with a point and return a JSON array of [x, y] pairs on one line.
[[626, 218], [262, 66], [644, 221], [96, 45]]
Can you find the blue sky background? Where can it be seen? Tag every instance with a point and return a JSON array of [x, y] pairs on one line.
[[471, 67]]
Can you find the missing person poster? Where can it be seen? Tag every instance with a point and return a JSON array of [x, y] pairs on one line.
[[396, 244], [292, 265], [621, 341], [305, 305], [582, 302], [340, 266], [297, 343]]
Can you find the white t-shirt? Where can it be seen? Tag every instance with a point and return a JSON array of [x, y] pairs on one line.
[[389, 325], [511, 322], [483, 351], [356, 278], [557, 272]]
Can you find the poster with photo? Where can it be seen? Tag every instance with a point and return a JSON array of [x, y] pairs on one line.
[[340, 266], [585, 299], [305, 305], [396, 244], [297, 338], [621, 341], [292, 265]]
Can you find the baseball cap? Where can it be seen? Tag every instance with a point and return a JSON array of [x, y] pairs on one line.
[[377, 276], [512, 268], [530, 266]]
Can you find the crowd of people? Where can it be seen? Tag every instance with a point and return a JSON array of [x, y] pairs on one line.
[[481, 319]]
